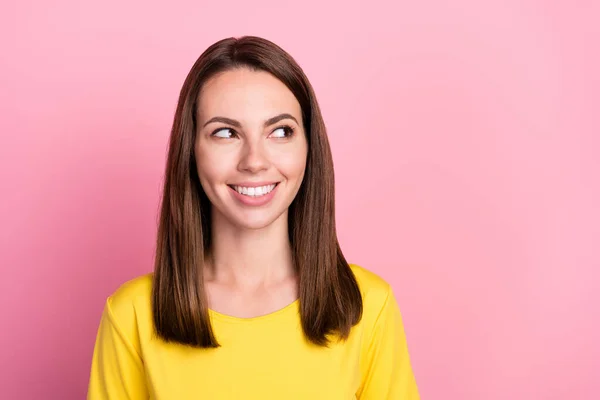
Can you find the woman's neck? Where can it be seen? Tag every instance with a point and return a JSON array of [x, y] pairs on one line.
[[249, 257]]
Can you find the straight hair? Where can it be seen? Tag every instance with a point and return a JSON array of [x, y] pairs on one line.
[[330, 302]]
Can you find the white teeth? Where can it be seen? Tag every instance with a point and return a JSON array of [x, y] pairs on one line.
[[254, 191]]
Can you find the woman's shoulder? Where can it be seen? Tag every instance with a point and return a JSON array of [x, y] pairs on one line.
[[134, 297], [369, 282], [131, 297], [375, 290]]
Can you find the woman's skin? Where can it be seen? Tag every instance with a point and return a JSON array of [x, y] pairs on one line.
[[249, 270]]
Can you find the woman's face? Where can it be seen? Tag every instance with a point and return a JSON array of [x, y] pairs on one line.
[[250, 147]]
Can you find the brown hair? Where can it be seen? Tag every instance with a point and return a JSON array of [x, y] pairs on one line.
[[329, 296]]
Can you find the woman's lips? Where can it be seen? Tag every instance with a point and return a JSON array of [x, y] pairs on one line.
[[251, 199]]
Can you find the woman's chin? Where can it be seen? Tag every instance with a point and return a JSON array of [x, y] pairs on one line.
[[255, 220]]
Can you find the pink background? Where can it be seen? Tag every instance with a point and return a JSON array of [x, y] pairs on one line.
[[467, 150]]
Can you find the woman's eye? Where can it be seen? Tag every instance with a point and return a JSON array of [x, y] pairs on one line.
[[225, 133], [283, 132]]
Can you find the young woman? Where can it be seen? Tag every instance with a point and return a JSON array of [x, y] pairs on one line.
[[251, 296]]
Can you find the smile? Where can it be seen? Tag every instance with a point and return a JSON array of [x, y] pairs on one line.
[[256, 191]]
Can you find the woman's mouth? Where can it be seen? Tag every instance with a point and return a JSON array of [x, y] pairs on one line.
[[254, 191]]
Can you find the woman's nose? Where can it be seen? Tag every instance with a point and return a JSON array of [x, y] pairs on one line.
[[253, 157]]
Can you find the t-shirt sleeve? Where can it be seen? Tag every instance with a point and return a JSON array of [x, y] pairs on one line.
[[117, 370], [388, 374]]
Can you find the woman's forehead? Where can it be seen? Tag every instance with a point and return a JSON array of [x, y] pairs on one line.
[[244, 93]]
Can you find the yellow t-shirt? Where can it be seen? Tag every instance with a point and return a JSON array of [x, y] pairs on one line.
[[264, 357]]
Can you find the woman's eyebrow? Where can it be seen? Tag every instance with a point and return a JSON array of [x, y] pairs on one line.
[[279, 117], [224, 120], [237, 124]]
